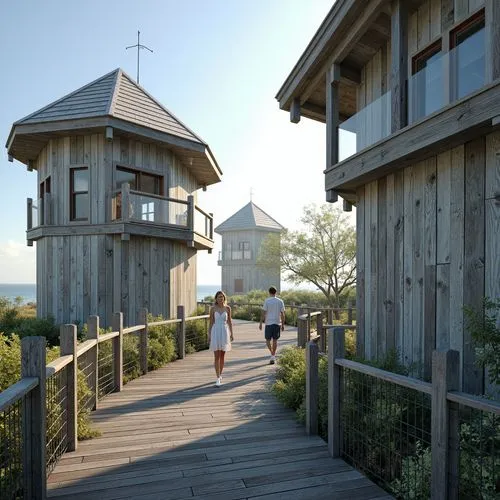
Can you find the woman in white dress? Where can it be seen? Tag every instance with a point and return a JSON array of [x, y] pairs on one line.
[[220, 333]]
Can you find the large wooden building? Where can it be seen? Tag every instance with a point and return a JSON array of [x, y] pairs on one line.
[[116, 223], [242, 236], [410, 94]]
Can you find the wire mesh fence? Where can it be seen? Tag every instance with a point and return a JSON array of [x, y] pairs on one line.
[[386, 433], [131, 356], [197, 335], [57, 417], [106, 369], [11, 466], [86, 381], [479, 454]]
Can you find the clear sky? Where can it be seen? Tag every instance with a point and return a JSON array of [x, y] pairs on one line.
[[217, 65]]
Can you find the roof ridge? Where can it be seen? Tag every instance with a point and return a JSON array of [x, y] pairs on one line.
[[54, 103], [112, 99]]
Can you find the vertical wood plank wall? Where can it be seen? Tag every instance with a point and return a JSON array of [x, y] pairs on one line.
[[253, 277], [430, 245], [79, 275]]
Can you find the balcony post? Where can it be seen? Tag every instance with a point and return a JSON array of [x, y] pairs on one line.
[[125, 208], [492, 21], [190, 214], [399, 65], [47, 209], [29, 218], [93, 357], [332, 115]]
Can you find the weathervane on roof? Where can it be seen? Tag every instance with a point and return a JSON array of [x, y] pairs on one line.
[[139, 47]]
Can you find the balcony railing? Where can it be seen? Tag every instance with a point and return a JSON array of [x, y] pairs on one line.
[[365, 128], [39, 211], [136, 206], [235, 255]]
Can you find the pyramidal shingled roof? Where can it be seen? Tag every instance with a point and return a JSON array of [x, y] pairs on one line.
[[249, 217], [117, 95]]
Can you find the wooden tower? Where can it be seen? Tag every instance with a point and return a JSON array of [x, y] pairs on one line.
[[116, 223]]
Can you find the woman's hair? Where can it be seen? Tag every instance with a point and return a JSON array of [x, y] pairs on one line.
[[220, 292]]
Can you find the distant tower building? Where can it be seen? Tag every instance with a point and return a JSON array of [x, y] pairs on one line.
[[115, 222], [242, 236]]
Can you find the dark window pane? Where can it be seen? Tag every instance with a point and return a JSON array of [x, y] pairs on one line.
[[81, 206], [150, 184], [470, 62], [80, 180], [125, 176]]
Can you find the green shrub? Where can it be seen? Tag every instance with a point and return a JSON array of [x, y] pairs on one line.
[[290, 385]]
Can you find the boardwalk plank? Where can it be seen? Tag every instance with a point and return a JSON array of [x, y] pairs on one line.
[[171, 435]]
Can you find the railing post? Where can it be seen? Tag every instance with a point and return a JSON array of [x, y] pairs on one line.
[[181, 332], [34, 419], [308, 326], [335, 351], [211, 226], [329, 316], [445, 377], [47, 208], [349, 313], [143, 342], [117, 326], [312, 386], [93, 355], [68, 347], [190, 214], [29, 218]]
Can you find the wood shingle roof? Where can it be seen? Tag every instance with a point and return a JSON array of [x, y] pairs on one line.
[[249, 217]]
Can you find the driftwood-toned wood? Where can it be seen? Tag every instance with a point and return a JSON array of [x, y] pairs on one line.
[[312, 388], [492, 54], [172, 434], [68, 347], [399, 64]]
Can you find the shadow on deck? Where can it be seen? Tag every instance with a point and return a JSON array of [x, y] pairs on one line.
[[171, 434]]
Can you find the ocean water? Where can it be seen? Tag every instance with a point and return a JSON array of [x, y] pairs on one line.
[[28, 291]]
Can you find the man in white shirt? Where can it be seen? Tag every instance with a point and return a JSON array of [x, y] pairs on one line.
[[273, 315]]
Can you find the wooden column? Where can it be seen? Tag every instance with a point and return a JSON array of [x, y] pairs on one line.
[[335, 351], [332, 115], [34, 419], [492, 59], [93, 355], [190, 213], [399, 65], [29, 218], [181, 332], [312, 388], [142, 319], [295, 110], [68, 347], [118, 351], [125, 209], [445, 377]]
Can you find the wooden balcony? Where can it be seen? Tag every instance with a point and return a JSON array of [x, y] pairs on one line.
[[145, 215]]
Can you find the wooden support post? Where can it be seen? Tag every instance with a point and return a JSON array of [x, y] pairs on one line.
[[492, 56], [68, 347], [445, 377], [399, 65], [332, 115], [34, 419], [47, 209], [118, 351], [190, 213], [295, 110], [29, 218], [335, 351], [329, 317], [143, 340], [331, 196], [93, 357], [312, 388], [349, 313], [319, 326], [181, 332], [347, 206]]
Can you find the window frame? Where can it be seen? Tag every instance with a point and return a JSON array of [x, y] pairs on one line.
[[73, 194], [138, 176]]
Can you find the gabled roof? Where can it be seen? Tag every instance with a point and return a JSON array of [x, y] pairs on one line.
[[249, 217], [114, 100]]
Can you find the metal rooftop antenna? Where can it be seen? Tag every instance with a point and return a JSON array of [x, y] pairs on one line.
[[139, 46]]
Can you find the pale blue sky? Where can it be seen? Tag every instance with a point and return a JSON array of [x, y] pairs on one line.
[[217, 65]]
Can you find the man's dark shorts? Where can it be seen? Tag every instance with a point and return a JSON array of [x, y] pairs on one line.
[[272, 332]]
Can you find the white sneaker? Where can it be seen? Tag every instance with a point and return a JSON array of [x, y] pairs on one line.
[[272, 360], [217, 382]]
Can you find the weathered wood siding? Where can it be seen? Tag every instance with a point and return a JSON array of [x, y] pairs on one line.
[[432, 18], [428, 244], [253, 277], [78, 275]]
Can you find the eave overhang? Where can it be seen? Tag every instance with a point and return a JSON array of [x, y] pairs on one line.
[[26, 141]]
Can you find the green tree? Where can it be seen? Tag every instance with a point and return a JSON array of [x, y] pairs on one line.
[[324, 254]]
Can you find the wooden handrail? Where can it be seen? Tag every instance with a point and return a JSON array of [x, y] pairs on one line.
[[85, 346], [58, 364], [165, 322], [193, 318], [108, 336], [132, 329], [17, 391], [475, 402]]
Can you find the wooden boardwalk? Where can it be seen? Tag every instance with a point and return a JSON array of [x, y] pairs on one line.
[[171, 434]]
